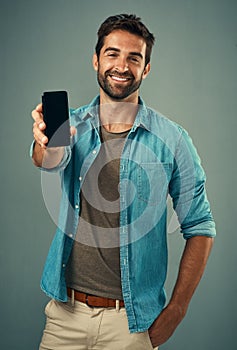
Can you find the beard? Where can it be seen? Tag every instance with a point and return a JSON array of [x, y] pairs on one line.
[[116, 90]]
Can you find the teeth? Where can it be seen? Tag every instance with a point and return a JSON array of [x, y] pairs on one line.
[[119, 79]]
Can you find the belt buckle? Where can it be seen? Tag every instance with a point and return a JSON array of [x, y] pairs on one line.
[[86, 301]]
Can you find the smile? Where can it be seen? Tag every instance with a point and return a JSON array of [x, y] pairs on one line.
[[119, 79]]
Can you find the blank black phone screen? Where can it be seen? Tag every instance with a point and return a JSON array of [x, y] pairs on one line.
[[56, 117]]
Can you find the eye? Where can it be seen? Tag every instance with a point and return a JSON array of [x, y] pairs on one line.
[[112, 54], [134, 59]]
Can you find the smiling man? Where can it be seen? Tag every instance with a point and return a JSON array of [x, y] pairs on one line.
[[107, 264], [121, 66]]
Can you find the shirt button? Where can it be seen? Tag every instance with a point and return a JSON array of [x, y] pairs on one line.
[[76, 206], [64, 265], [94, 152], [70, 235], [80, 178]]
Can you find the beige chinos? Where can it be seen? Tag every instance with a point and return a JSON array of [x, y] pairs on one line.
[[76, 326]]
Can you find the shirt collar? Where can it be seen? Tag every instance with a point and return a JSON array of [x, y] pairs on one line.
[[142, 118]]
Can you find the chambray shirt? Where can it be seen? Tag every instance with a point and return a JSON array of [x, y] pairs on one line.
[[158, 159]]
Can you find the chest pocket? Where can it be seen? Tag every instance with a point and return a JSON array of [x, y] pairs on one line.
[[153, 181]]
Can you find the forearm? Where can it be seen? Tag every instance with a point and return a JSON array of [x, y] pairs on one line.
[[191, 269], [47, 157]]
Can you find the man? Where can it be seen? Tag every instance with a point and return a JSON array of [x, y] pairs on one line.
[[107, 265]]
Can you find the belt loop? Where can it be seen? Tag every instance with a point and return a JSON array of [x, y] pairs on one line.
[[117, 305], [72, 298]]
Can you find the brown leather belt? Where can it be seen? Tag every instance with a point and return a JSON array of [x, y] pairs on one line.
[[95, 301]]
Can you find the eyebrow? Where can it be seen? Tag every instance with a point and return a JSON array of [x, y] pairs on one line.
[[133, 53]]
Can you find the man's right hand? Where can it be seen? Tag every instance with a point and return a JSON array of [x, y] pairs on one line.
[[43, 156], [39, 126]]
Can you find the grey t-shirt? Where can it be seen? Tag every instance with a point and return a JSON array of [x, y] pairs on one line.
[[94, 263]]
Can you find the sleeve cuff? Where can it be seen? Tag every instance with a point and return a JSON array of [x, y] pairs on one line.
[[206, 228], [63, 163]]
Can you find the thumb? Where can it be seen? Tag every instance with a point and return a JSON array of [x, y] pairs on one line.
[[73, 130]]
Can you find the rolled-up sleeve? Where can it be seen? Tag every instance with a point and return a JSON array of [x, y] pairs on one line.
[[187, 189]]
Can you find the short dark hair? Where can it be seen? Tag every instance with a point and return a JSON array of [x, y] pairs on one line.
[[129, 23]]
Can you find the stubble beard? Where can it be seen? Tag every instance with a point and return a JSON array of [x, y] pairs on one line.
[[120, 92]]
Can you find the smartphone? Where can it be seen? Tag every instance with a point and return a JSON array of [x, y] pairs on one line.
[[56, 118]]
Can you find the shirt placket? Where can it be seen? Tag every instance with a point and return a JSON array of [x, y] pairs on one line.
[[124, 237]]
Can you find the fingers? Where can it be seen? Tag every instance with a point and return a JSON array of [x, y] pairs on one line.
[[39, 126], [39, 108], [37, 114]]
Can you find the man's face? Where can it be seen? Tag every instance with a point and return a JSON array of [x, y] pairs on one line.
[[121, 65]]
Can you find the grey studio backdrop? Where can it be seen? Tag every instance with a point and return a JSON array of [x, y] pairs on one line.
[[48, 45]]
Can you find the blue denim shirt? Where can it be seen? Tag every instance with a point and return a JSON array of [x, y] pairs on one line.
[[158, 159]]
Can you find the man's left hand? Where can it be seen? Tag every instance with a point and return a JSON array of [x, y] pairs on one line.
[[165, 325]]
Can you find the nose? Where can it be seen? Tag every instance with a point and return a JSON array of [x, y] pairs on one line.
[[121, 64]]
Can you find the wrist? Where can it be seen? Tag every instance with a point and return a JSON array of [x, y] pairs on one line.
[[180, 308]]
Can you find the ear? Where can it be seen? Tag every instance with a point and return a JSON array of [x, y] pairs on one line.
[[146, 71], [95, 62]]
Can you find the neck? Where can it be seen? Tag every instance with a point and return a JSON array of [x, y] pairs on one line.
[[118, 116]]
